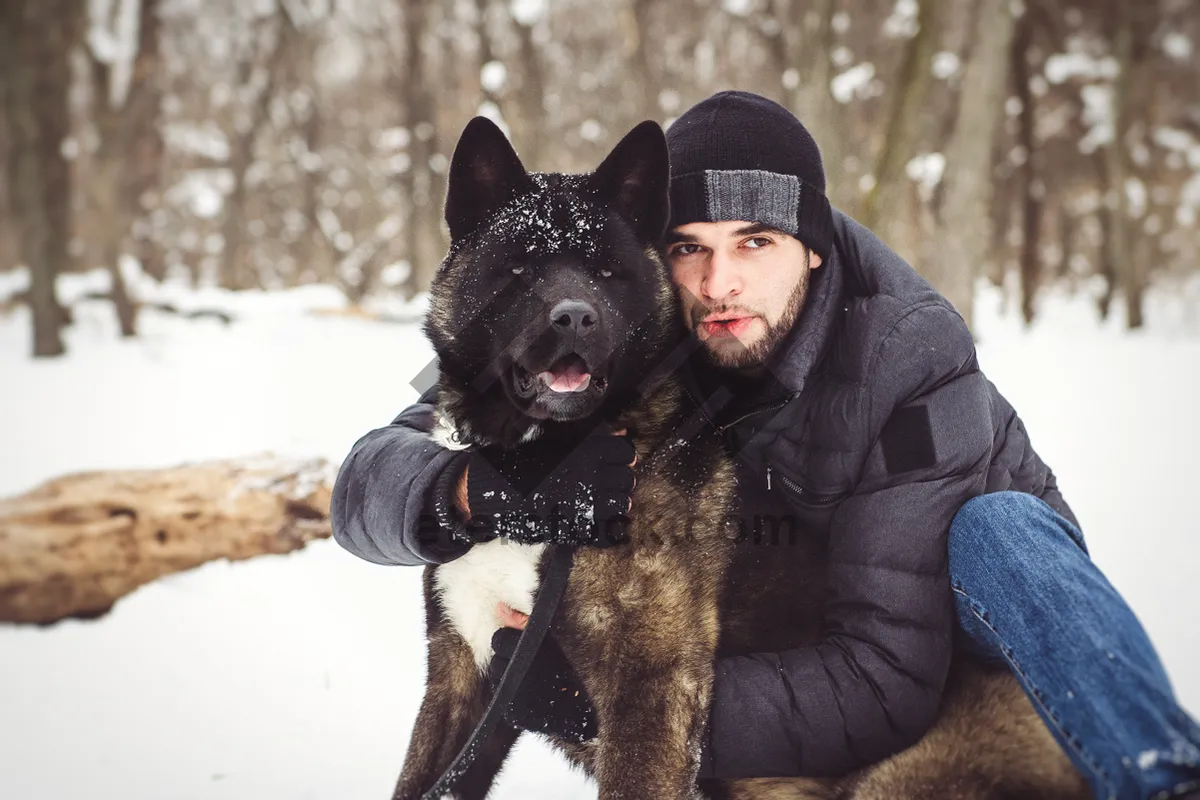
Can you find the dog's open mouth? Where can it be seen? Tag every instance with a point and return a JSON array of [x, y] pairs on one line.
[[567, 375]]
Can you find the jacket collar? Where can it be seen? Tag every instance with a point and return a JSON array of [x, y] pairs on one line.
[[793, 361]]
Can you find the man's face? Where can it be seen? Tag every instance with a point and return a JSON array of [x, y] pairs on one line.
[[742, 286]]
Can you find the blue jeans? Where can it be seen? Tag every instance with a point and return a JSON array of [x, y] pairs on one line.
[[1027, 594]]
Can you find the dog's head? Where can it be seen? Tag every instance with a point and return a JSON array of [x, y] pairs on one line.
[[552, 305]]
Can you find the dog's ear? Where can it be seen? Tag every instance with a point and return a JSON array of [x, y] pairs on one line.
[[634, 179], [485, 173]]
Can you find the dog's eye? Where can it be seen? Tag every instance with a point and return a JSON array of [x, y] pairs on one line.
[[517, 270], [606, 273]]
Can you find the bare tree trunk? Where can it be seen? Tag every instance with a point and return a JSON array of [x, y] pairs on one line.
[[892, 193], [235, 274], [1005, 194], [1141, 111], [531, 95], [146, 148], [1142, 251], [421, 186], [298, 80], [808, 32], [964, 213], [316, 243], [1031, 193], [487, 53], [638, 42], [1109, 251], [520, 100], [1067, 226], [112, 220], [9, 251], [1117, 165], [36, 40], [236, 270], [241, 156], [129, 157], [1107, 266]]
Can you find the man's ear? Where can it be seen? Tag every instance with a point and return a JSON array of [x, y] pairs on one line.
[[634, 179], [485, 173]]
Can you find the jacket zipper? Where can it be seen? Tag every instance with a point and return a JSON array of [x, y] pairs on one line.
[[800, 491], [748, 414]]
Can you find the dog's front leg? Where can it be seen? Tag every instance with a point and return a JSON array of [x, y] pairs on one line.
[[650, 729], [456, 694], [443, 724], [648, 626]]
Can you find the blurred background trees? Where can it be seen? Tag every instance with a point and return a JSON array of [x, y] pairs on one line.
[[271, 143]]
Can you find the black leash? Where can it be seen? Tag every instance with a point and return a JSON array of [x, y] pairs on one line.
[[554, 585]]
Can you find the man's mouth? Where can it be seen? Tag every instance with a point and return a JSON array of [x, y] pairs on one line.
[[725, 325], [567, 375]]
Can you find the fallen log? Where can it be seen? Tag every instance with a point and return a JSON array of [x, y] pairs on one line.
[[75, 545], [8, 303]]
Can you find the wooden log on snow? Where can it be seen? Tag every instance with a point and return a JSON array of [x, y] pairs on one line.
[[75, 545]]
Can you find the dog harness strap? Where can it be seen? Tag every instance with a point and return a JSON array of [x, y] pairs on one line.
[[554, 585]]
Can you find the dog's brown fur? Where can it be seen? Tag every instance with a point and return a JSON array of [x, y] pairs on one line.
[[642, 623]]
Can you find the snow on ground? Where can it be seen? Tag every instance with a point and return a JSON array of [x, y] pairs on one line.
[[297, 677]]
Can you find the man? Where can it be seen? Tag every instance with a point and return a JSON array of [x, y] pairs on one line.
[[858, 409]]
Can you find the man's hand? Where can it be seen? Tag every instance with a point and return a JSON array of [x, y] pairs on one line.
[[551, 699], [461, 502], [511, 618], [550, 491]]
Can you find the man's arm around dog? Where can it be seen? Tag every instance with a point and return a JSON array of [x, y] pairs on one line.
[[380, 507]]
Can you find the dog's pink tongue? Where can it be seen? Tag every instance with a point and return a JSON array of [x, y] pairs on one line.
[[571, 377]]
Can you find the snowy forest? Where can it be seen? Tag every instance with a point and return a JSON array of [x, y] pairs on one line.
[[279, 143], [219, 220]]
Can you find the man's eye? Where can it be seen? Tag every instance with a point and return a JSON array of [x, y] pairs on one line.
[[686, 249], [758, 242]]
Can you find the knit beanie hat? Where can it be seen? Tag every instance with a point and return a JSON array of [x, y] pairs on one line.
[[739, 156]]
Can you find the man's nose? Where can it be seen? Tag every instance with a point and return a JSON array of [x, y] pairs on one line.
[[573, 316], [722, 278]]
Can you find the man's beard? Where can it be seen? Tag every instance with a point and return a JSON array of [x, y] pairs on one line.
[[743, 357]]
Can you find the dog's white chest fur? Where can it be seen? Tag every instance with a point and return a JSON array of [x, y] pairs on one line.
[[470, 586], [499, 571]]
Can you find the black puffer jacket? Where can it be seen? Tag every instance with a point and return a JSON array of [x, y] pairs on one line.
[[883, 426]]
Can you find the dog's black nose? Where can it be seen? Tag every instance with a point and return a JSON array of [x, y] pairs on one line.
[[573, 315]]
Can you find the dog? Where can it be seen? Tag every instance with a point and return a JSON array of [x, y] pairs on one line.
[[641, 623]]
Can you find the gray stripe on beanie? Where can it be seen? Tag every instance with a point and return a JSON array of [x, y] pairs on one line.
[[754, 195]]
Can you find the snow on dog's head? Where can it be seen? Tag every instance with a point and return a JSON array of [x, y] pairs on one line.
[[552, 305]]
